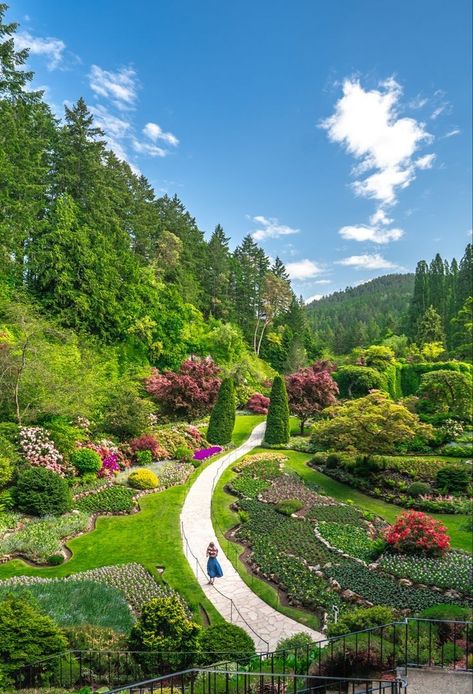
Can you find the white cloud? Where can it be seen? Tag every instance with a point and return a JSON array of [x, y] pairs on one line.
[[425, 162], [314, 297], [380, 217], [418, 102], [361, 232], [270, 228], [155, 133], [51, 48], [303, 269], [113, 126], [323, 282], [367, 262], [436, 112], [147, 148], [367, 124], [452, 133], [120, 86]]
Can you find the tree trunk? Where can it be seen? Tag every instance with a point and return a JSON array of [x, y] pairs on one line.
[[302, 426]]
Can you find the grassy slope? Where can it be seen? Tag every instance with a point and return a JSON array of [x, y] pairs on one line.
[[461, 539], [151, 538]]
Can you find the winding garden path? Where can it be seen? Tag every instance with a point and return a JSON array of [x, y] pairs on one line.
[[231, 596]]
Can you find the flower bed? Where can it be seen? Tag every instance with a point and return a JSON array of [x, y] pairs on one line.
[[348, 538], [248, 487], [40, 539], [381, 486], [291, 487], [132, 580], [204, 453], [336, 513], [383, 590], [454, 570], [171, 474], [114, 499]]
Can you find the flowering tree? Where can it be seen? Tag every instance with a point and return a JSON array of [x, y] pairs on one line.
[[416, 533], [189, 393], [258, 403], [310, 390]]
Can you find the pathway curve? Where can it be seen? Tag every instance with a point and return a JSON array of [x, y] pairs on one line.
[[235, 601]]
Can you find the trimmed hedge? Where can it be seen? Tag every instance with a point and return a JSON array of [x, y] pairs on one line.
[[222, 417], [277, 423], [412, 373], [224, 642]]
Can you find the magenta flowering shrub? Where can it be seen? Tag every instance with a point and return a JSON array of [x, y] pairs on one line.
[[38, 449], [113, 459], [205, 453]]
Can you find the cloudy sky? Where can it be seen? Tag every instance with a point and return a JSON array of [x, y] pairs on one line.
[[337, 133]]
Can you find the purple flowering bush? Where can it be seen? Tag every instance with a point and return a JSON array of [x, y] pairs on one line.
[[205, 453]]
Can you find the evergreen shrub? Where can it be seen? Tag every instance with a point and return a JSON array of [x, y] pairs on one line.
[[222, 417], [277, 423], [85, 461], [40, 492], [225, 642]]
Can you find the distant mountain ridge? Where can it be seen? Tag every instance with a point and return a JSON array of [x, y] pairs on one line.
[[360, 315]]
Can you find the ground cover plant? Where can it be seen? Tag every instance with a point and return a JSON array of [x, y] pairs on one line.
[[349, 538], [72, 603]]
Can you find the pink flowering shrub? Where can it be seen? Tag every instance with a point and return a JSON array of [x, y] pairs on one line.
[[39, 451], [416, 533], [258, 404]]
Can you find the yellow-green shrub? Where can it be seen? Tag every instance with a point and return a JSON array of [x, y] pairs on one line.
[[143, 479]]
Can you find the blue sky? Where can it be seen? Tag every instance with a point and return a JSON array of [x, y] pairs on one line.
[[339, 133]]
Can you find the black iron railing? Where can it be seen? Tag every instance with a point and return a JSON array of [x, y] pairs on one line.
[[212, 681], [382, 650]]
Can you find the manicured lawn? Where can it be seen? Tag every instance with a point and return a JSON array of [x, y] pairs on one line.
[[223, 519], [461, 539], [151, 538]]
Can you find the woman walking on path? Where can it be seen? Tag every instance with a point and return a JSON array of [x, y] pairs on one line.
[[214, 569]]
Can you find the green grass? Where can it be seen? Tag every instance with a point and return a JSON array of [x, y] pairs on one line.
[[72, 603], [460, 539], [151, 538], [223, 519]]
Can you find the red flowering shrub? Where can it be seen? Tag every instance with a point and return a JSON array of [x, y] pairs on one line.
[[416, 533], [258, 404], [148, 442], [190, 393], [310, 390]]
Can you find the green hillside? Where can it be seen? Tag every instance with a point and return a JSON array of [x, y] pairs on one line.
[[358, 316]]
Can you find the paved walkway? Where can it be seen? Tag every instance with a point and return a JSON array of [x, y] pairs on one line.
[[231, 596]]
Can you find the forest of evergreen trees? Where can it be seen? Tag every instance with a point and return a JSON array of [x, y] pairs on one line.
[[86, 245]]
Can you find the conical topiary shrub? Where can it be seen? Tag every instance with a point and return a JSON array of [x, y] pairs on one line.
[[277, 422], [222, 418]]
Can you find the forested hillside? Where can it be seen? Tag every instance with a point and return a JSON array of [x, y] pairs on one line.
[[359, 316]]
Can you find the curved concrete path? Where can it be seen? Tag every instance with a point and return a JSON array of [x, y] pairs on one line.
[[230, 596]]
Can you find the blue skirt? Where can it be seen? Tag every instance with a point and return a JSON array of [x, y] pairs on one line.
[[214, 569]]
